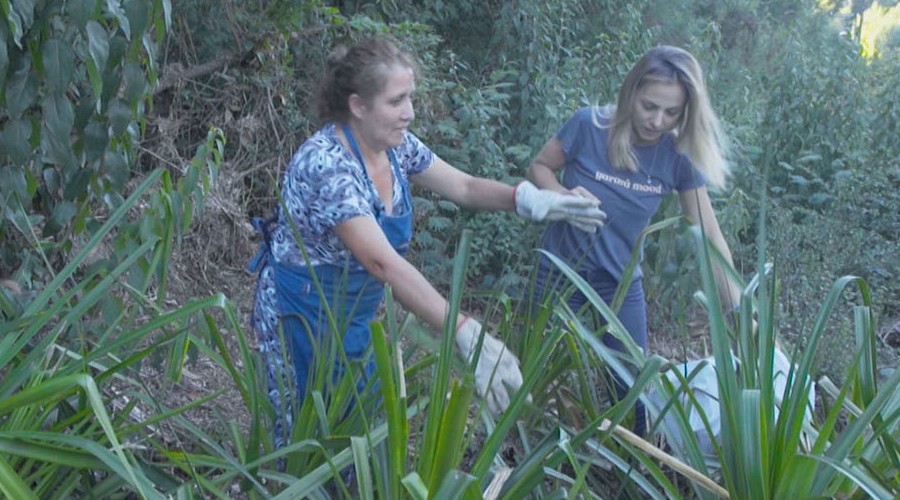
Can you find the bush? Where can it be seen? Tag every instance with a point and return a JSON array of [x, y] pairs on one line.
[[76, 80]]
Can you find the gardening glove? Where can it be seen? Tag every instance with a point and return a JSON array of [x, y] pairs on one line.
[[497, 374], [546, 205]]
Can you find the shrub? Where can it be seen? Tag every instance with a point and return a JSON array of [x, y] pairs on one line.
[[76, 78]]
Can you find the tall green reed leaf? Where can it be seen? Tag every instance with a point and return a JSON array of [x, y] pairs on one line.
[[761, 453], [529, 473], [393, 392], [50, 391], [429, 459], [415, 486], [115, 218], [491, 446], [363, 471], [315, 478], [448, 452], [11, 485]]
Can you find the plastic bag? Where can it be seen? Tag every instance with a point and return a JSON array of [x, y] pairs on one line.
[[705, 387]]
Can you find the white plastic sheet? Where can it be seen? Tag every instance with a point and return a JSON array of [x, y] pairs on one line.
[[705, 388]]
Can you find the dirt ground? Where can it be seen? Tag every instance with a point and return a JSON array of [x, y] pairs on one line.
[[211, 260]]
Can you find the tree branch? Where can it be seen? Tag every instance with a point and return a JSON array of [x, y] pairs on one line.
[[172, 78]]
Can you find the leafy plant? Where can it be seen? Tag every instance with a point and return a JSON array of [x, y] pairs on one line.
[[76, 78], [55, 420]]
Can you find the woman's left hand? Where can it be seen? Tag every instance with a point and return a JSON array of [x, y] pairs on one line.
[[546, 205]]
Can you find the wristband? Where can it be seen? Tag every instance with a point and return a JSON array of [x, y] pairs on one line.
[[516, 188]]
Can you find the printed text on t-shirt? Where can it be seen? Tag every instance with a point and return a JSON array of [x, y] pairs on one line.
[[627, 184]]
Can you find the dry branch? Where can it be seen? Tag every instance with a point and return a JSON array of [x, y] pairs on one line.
[[664, 457], [172, 78]]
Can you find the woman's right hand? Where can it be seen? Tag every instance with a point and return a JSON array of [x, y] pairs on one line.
[[584, 193], [585, 224]]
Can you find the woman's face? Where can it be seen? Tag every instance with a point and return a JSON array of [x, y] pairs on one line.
[[387, 115], [657, 108]]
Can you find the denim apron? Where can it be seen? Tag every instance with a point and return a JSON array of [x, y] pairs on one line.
[[352, 294]]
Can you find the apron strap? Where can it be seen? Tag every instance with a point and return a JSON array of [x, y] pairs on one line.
[[261, 258]]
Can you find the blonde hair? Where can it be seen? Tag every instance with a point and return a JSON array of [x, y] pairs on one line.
[[698, 133]]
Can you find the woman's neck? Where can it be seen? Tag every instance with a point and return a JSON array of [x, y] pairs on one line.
[[373, 156]]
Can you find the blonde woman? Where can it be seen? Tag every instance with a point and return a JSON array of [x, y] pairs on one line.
[[662, 135]]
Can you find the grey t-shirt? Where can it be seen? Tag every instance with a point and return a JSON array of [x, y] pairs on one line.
[[629, 198]]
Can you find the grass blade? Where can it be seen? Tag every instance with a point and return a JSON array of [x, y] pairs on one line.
[[363, 471], [11, 485]]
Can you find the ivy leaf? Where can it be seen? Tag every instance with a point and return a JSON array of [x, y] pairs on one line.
[[111, 81], [20, 15], [13, 181], [59, 64], [113, 200], [81, 11], [135, 84], [58, 116], [98, 44], [117, 48], [16, 137], [115, 9], [115, 169], [96, 139], [57, 152], [21, 91], [137, 14], [62, 215], [119, 116], [51, 180], [98, 48], [83, 112], [77, 187]]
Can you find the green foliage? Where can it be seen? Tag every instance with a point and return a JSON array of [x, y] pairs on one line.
[[812, 150], [814, 130], [565, 436], [854, 237], [761, 454], [524, 84], [56, 421], [76, 77], [773, 466]]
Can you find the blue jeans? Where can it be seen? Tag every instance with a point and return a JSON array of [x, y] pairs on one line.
[[632, 314]]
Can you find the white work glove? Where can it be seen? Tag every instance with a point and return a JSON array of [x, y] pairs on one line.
[[546, 205], [495, 386]]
